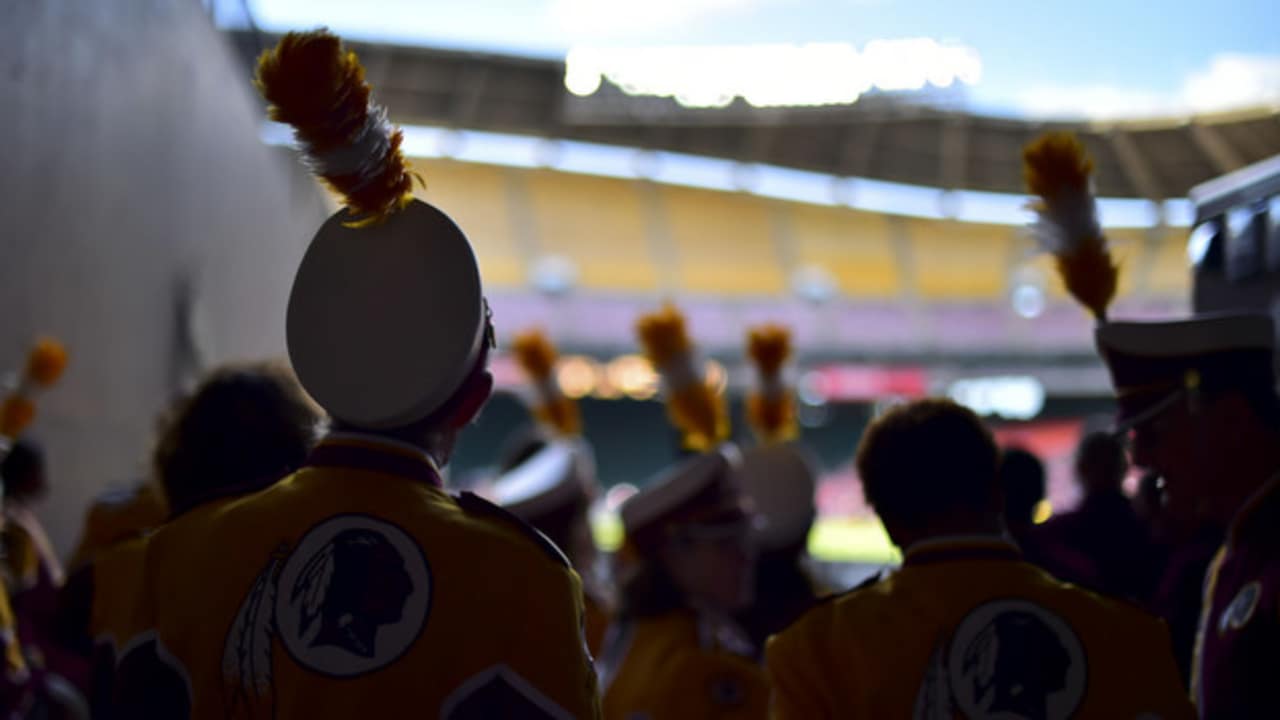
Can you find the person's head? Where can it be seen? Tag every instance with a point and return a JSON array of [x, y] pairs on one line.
[[243, 428], [1022, 480], [1101, 463], [693, 538], [1198, 399], [929, 468], [1208, 447], [438, 432], [23, 472]]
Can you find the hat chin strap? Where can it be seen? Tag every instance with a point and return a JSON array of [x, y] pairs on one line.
[[1151, 412]]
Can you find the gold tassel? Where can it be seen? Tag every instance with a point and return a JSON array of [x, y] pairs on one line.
[[15, 415], [317, 87], [47, 361], [692, 405], [45, 364], [536, 355], [1057, 168], [771, 409]]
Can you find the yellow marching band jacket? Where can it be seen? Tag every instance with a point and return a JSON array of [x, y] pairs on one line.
[[334, 604], [967, 629]]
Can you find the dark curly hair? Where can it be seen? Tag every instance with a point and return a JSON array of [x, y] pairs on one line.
[[925, 459], [243, 428]]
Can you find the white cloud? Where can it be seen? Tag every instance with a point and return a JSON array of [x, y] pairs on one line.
[[1233, 81], [1230, 81], [613, 16], [1091, 101]]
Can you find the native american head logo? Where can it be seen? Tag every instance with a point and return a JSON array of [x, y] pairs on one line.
[[350, 598], [1006, 659]]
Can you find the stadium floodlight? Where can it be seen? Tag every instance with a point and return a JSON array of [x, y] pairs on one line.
[[1027, 294], [633, 376], [578, 376], [1028, 301], [553, 275], [814, 284]]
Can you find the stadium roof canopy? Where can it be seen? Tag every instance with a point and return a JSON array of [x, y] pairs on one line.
[[885, 137]]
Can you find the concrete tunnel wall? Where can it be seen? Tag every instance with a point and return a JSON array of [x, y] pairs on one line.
[[141, 221]]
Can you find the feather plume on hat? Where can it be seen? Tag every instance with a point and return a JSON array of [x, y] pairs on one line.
[[692, 405], [312, 83], [1057, 169], [45, 365], [536, 355], [771, 408]]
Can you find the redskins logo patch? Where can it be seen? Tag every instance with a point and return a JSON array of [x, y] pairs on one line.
[[1006, 659], [1240, 611], [353, 596]]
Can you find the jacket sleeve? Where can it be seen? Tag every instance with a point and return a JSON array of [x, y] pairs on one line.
[[552, 669]]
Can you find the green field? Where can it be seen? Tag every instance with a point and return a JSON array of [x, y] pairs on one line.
[[852, 540]]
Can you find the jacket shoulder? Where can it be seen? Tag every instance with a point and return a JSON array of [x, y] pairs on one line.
[[476, 506], [827, 603]]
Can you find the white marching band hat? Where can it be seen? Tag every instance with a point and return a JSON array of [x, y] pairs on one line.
[[1152, 364], [558, 476], [386, 317], [778, 474], [781, 480], [703, 489]]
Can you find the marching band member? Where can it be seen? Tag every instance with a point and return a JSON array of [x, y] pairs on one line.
[[552, 484], [780, 477], [244, 427], [967, 627], [675, 651], [1198, 400], [34, 666], [357, 586]]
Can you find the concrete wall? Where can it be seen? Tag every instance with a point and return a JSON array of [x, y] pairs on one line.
[[141, 221]]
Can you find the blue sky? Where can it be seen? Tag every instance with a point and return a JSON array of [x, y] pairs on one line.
[[1089, 57]]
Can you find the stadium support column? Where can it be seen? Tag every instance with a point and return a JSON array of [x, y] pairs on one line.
[[1220, 154]]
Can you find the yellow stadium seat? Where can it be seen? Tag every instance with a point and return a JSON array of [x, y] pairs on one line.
[[853, 246], [1170, 273], [598, 223], [1127, 249], [723, 243], [476, 197], [959, 261]]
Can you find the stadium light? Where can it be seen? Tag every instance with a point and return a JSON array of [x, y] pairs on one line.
[[553, 275], [578, 376]]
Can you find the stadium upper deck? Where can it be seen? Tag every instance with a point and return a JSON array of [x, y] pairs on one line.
[[883, 137]]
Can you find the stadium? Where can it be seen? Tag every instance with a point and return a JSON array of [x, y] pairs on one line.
[[155, 218]]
